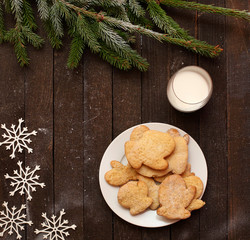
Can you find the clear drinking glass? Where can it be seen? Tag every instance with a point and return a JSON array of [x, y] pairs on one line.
[[189, 89]]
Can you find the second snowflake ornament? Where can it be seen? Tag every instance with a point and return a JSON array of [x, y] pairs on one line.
[[24, 180]]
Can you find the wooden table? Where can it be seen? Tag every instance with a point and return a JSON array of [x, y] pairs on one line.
[[78, 113]]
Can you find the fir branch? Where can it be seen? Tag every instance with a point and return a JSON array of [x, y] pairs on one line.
[[85, 31], [206, 8], [35, 40], [43, 9], [119, 13], [160, 18], [105, 3], [55, 41], [117, 44], [16, 37], [167, 24], [28, 15], [56, 19], [129, 38], [7, 5], [76, 50], [63, 11], [195, 46], [204, 49], [142, 21], [105, 26], [136, 8], [16, 8], [113, 58]]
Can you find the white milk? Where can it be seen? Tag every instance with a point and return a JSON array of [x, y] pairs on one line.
[[189, 89]]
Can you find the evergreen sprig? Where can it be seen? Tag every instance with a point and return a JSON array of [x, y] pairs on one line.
[[106, 27], [206, 8]]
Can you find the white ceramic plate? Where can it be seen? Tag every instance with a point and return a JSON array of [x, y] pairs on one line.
[[115, 151]]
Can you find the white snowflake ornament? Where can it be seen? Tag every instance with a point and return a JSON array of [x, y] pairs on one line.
[[24, 180], [17, 138], [56, 228], [12, 220]]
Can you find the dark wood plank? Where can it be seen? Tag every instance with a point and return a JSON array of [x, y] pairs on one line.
[[237, 49], [97, 137], [68, 141], [126, 113], [11, 108], [213, 131], [39, 117]]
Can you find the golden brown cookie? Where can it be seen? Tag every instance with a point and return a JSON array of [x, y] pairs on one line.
[[195, 204], [161, 179], [152, 191], [149, 172], [187, 171], [150, 150], [186, 137], [174, 197], [120, 174], [197, 183], [138, 132], [173, 132], [178, 160], [134, 195]]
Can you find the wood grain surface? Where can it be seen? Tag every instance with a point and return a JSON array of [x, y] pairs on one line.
[[77, 113]]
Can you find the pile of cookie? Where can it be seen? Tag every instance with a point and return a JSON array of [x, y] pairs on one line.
[[158, 175]]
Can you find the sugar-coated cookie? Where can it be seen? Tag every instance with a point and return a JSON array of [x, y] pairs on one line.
[[197, 183], [174, 197], [173, 132], [150, 172], [153, 189], [134, 195], [195, 205], [150, 150], [187, 171], [161, 179], [178, 160], [138, 132]]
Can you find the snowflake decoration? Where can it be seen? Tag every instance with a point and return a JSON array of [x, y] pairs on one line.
[[12, 220], [55, 229], [17, 138], [24, 180]]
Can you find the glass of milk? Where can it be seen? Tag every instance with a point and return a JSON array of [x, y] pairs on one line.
[[189, 89]]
